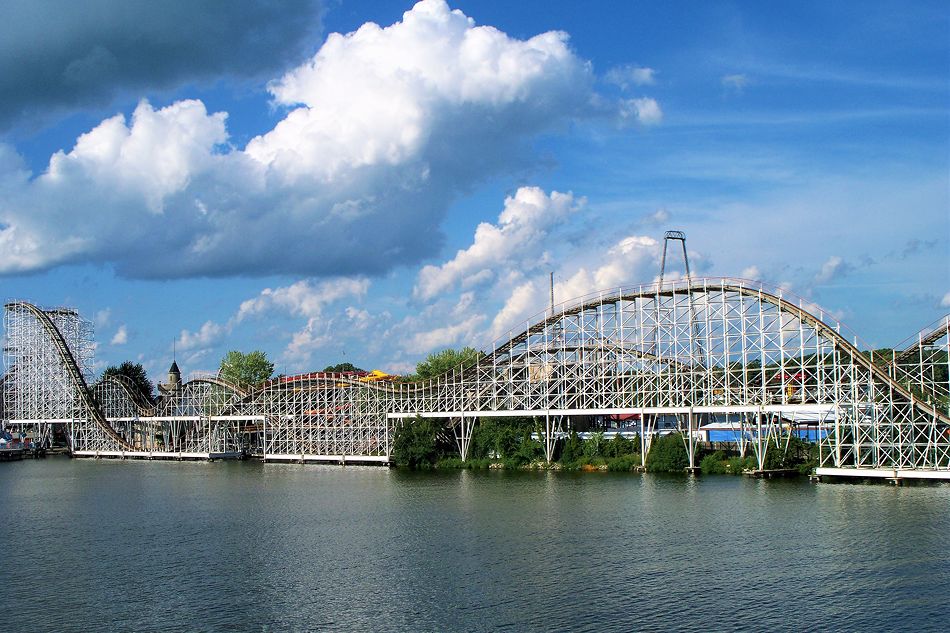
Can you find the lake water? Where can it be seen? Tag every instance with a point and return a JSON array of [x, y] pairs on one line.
[[160, 546]]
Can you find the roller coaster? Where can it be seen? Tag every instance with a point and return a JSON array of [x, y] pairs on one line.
[[687, 349]]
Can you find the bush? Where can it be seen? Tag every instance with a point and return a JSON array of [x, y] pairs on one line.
[[667, 454], [416, 444], [498, 437], [620, 446], [506, 441], [529, 450], [593, 445], [452, 462], [573, 449], [775, 458], [483, 440], [713, 464], [807, 468], [736, 465], [624, 463]]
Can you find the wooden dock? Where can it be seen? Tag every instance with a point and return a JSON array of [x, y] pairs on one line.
[[11, 454], [772, 474]]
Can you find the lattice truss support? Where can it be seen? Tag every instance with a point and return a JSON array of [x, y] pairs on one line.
[[38, 389], [689, 348], [323, 417], [707, 347], [48, 355]]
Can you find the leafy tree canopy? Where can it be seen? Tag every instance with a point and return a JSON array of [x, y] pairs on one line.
[[135, 373], [342, 367], [438, 363], [416, 443], [667, 454], [246, 369]]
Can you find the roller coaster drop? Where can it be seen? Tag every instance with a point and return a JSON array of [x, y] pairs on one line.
[[685, 348]]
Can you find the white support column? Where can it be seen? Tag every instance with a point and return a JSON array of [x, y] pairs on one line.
[[692, 448], [549, 439], [760, 453], [464, 436]]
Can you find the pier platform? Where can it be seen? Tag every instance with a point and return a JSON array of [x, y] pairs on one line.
[[166, 455], [893, 475], [776, 473], [11, 454]]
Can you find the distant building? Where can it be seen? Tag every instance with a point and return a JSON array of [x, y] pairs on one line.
[[174, 379]]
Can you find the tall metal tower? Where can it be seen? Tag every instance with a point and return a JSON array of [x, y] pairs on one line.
[[681, 238], [695, 344]]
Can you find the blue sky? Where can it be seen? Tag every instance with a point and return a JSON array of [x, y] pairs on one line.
[[300, 181]]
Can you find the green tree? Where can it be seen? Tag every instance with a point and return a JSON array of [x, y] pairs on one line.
[[439, 363], [136, 374], [246, 369], [529, 450], [573, 449], [339, 368], [416, 443], [667, 454], [619, 446], [594, 445]]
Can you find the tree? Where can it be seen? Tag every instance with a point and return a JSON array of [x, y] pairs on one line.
[[339, 368], [573, 449], [438, 363], [136, 374], [667, 454], [416, 443], [246, 369]]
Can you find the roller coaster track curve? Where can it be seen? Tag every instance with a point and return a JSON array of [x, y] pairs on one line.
[[69, 362], [756, 291]]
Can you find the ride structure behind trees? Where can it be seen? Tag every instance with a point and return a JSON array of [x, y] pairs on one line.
[[135, 373], [246, 369]]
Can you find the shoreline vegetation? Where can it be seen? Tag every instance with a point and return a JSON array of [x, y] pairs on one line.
[[509, 443]]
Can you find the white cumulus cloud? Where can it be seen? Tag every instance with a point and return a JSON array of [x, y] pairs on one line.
[[354, 179], [311, 337], [751, 272], [305, 298], [102, 317], [527, 218], [833, 268], [207, 335], [645, 110], [631, 75], [446, 336], [121, 336], [621, 264]]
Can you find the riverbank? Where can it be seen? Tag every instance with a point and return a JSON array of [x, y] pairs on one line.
[[514, 444]]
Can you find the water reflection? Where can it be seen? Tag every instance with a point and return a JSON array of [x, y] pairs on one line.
[[185, 547]]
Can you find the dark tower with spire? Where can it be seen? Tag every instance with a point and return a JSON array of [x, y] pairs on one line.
[[174, 377]]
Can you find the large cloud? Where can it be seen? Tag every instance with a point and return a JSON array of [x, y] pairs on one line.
[[387, 125], [522, 227], [633, 257], [495, 285], [303, 299], [57, 55]]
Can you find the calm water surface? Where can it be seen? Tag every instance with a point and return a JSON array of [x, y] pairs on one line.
[[158, 546]]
